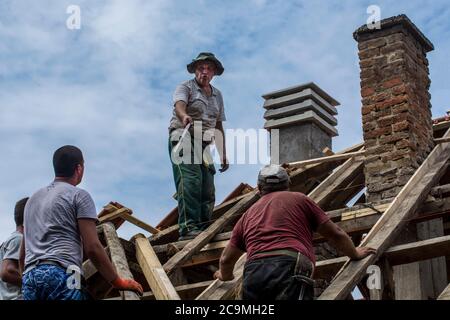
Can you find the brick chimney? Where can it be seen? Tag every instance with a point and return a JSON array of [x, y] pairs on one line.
[[396, 104], [304, 115]]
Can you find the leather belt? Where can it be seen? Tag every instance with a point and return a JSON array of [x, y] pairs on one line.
[[278, 252], [42, 262]]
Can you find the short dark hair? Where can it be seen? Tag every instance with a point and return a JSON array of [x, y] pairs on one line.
[[18, 211], [266, 188], [65, 161]]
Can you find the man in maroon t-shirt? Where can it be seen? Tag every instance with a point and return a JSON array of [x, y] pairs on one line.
[[277, 234]]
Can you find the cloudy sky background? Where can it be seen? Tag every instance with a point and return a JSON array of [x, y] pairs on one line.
[[107, 87]]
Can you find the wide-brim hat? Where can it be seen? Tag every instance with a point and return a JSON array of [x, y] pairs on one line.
[[209, 57]]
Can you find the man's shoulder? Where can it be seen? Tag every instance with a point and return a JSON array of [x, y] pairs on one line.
[[290, 197], [67, 187], [13, 240], [216, 91], [59, 189], [289, 194], [188, 83], [81, 193]]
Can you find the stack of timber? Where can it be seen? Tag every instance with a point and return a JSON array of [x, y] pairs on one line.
[[171, 269]]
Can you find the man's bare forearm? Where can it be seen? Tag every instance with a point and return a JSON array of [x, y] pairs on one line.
[[341, 241], [227, 269], [228, 259], [22, 256], [344, 244], [220, 142], [101, 261], [12, 275], [180, 110]]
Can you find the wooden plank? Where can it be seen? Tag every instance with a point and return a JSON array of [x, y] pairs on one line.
[[171, 233], [441, 126], [209, 254], [204, 257], [427, 212], [386, 282], [139, 223], [353, 212], [349, 191], [304, 179], [332, 158], [322, 189], [327, 151], [325, 268], [352, 222], [164, 248], [201, 240], [172, 218], [187, 291], [88, 267], [110, 208], [445, 295], [165, 235], [113, 215], [223, 290], [442, 140], [440, 190], [419, 250], [157, 279], [393, 220], [396, 255], [340, 177], [225, 206], [437, 206], [364, 212], [433, 272], [118, 258], [353, 227]]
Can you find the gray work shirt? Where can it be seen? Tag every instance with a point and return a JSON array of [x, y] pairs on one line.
[[51, 224], [202, 108], [10, 249]]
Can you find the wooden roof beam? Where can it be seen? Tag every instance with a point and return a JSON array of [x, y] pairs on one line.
[[393, 220]]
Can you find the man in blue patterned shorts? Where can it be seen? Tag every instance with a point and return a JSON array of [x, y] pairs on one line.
[[59, 222]]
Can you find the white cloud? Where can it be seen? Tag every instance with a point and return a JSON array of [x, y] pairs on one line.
[[107, 87]]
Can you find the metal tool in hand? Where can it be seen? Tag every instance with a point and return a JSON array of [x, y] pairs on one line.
[[185, 131]]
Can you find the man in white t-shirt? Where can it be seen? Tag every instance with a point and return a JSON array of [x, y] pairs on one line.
[[10, 277], [59, 222]]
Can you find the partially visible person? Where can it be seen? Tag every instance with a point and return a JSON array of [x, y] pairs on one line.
[[277, 234], [59, 221], [10, 276]]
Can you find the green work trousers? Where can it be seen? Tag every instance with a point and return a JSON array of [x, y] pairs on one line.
[[195, 194]]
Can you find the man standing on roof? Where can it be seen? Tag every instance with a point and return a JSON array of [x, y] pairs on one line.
[[198, 107], [59, 222], [10, 276], [277, 234]]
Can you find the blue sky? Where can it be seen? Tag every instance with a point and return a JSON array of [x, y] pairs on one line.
[[107, 87]]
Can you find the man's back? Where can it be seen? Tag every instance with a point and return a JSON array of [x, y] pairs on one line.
[[51, 224], [279, 220], [10, 250]]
